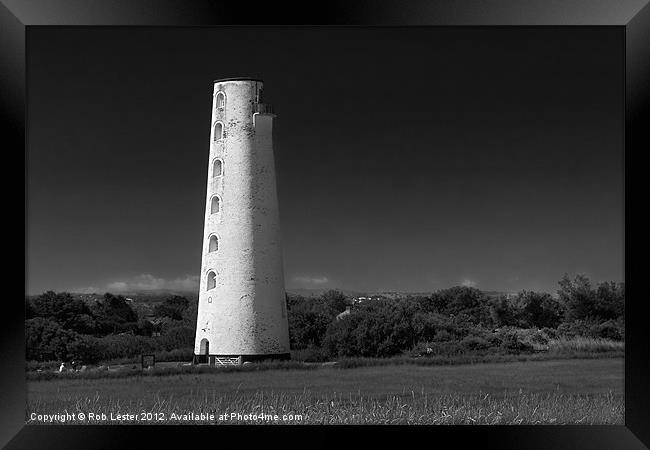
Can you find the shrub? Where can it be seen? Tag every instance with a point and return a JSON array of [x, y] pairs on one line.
[[512, 343], [460, 300], [172, 307], [335, 300], [377, 329], [308, 322], [47, 340], [502, 312], [583, 302], [577, 297], [532, 336], [475, 343], [550, 333], [442, 336], [177, 337], [85, 350], [610, 300], [533, 309], [611, 329]]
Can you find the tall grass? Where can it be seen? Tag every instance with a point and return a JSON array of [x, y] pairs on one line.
[[584, 344], [353, 408]]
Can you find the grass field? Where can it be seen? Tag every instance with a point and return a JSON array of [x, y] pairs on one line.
[[563, 391]]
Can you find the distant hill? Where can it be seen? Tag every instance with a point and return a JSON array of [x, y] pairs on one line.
[[143, 302], [386, 294], [318, 292]]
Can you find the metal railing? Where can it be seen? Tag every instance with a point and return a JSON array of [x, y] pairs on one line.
[[263, 108]]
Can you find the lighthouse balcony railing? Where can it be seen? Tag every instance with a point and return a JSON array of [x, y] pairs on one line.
[[263, 108]]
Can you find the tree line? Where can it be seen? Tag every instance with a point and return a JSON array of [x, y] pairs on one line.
[[60, 327], [455, 320]]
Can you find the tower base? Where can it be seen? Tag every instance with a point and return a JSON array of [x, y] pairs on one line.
[[216, 360]]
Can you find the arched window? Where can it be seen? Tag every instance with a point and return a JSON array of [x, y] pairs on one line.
[[215, 205], [218, 131], [221, 101], [217, 168], [205, 347], [212, 280], [214, 244]]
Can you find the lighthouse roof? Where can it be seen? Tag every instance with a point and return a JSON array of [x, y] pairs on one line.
[[238, 79]]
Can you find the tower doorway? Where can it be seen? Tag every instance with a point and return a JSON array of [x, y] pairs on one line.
[[205, 347]]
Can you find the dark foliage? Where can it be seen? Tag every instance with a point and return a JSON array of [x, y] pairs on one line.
[[310, 317], [460, 300], [582, 302], [455, 321], [115, 315], [173, 307]]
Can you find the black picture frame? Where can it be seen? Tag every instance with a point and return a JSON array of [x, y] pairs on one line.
[[631, 16]]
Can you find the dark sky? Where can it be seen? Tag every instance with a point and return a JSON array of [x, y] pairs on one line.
[[407, 159]]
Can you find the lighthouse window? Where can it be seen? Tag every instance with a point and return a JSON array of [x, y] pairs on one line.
[[215, 205], [218, 131], [217, 168], [214, 244], [212, 280], [221, 101], [209, 299]]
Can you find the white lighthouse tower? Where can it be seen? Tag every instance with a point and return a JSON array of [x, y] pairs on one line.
[[242, 312]]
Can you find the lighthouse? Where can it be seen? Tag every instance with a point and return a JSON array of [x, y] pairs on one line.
[[242, 313]]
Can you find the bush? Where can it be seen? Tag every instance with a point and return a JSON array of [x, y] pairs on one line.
[[172, 307], [511, 342], [85, 350], [442, 336], [475, 343], [610, 300], [450, 321], [533, 309], [550, 333], [582, 302], [335, 300], [610, 329], [308, 323], [502, 312], [460, 300], [47, 340], [376, 329], [177, 337]]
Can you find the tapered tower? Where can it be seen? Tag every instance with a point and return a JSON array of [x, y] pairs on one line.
[[242, 310]]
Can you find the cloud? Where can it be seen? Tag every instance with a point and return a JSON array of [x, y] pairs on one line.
[[311, 280], [468, 283], [147, 282], [117, 286], [86, 290]]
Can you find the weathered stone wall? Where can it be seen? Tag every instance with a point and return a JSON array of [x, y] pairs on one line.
[[245, 314]]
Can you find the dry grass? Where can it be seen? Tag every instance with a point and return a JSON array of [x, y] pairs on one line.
[[413, 408], [584, 344], [541, 392]]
